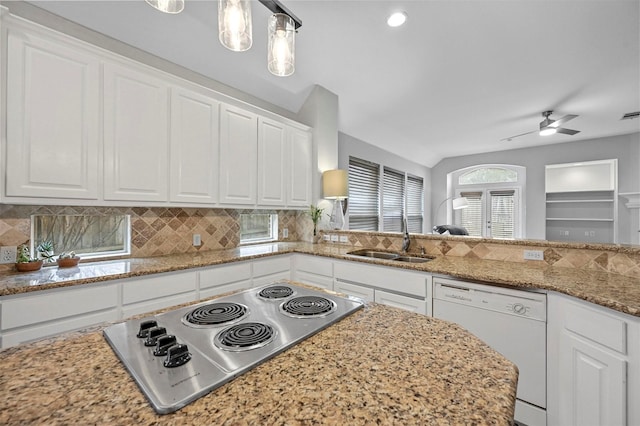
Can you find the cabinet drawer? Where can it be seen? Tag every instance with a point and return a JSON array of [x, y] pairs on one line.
[[156, 287], [313, 279], [37, 308], [384, 277], [403, 302], [314, 264], [598, 326], [271, 266], [221, 275], [365, 293]]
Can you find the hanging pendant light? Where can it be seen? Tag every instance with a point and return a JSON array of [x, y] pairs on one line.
[[167, 6], [281, 58], [234, 24]]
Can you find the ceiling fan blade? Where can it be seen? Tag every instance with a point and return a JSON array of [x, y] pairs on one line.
[[567, 131], [517, 136], [559, 122]]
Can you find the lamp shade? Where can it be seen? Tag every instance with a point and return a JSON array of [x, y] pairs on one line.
[[335, 184], [234, 24], [281, 49], [460, 203]]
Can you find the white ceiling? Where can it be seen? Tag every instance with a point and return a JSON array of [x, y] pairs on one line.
[[457, 78]]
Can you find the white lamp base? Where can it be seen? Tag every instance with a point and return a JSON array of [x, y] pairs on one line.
[[337, 215]]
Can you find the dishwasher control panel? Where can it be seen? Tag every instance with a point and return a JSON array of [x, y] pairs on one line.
[[514, 302]]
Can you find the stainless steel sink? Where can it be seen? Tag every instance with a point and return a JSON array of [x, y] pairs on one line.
[[411, 259], [388, 256], [374, 254]]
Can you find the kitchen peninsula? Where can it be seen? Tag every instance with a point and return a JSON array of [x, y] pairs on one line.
[[380, 365]]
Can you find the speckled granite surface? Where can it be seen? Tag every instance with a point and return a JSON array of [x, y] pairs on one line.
[[614, 291], [380, 365]]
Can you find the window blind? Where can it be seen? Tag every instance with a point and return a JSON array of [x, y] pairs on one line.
[[364, 188], [392, 200], [502, 214], [415, 203], [471, 217]]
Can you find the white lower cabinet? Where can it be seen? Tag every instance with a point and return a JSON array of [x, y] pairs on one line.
[[390, 286], [32, 316], [222, 279], [266, 271], [314, 270], [594, 364], [159, 291]]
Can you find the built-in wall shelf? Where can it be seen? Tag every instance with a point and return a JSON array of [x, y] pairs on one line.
[[582, 201]]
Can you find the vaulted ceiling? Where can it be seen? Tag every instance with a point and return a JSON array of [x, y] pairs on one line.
[[456, 79]]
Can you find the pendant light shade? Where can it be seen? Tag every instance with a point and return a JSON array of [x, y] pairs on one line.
[[281, 57], [234, 24], [167, 6]]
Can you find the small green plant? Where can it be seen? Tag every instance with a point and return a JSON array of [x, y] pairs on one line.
[[65, 255], [45, 249], [24, 254], [316, 214]]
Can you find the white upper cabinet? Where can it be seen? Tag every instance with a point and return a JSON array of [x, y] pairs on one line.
[[52, 118], [135, 134], [238, 155], [300, 168], [272, 161], [193, 148]]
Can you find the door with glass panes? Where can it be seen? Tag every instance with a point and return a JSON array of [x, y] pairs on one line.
[[492, 213]]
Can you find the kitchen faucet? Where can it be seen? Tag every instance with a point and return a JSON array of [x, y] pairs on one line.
[[406, 241]]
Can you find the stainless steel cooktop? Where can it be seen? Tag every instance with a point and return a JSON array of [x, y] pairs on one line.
[[181, 355]]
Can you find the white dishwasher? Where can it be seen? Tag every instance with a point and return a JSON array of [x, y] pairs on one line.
[[512, 322]]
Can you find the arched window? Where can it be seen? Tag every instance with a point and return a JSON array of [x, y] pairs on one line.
[[495, 194]]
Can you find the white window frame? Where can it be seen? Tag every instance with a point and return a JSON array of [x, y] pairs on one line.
[[273, 229], [519, 188]]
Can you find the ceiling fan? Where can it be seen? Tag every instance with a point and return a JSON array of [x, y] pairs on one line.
[[550, 127]]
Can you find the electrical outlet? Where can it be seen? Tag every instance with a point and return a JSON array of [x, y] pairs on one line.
[[197, 241], [285, 233], [326, 237], [334, 238], [344, 239], [533, 255], [8, 254]]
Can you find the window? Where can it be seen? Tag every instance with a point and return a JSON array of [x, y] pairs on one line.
[[392, 200], [415, 203], [379, 197], [88, 236], [364, 187], [493, 194], [257, 228]]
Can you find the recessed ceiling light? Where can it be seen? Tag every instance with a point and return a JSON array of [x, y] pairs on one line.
[[396, 19]]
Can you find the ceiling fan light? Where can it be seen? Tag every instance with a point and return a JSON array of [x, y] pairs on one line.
[[281, 48], [547, 131], [234, 24], [167, 6]]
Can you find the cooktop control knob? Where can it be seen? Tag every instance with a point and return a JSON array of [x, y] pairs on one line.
[[177, 355], [164, 343], [145, 326], [154, 333]]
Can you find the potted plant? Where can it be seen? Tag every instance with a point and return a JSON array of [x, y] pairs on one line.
[[24, 261], [68, 260], [316, 214]]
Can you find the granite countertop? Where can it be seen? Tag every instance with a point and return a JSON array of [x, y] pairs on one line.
[[614, 291], [381, 365]]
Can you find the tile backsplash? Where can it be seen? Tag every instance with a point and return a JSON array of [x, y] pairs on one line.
[[157, 231]]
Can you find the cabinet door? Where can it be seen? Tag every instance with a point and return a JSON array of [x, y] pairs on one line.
[[592, 384], [238, 155], [272, 170], [300, 168], [418, 306], [193, 148], [52, 119], [135, 135], [365, 293]]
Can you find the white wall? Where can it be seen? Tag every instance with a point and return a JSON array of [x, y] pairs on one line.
[[625, 148], [350, 146]]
